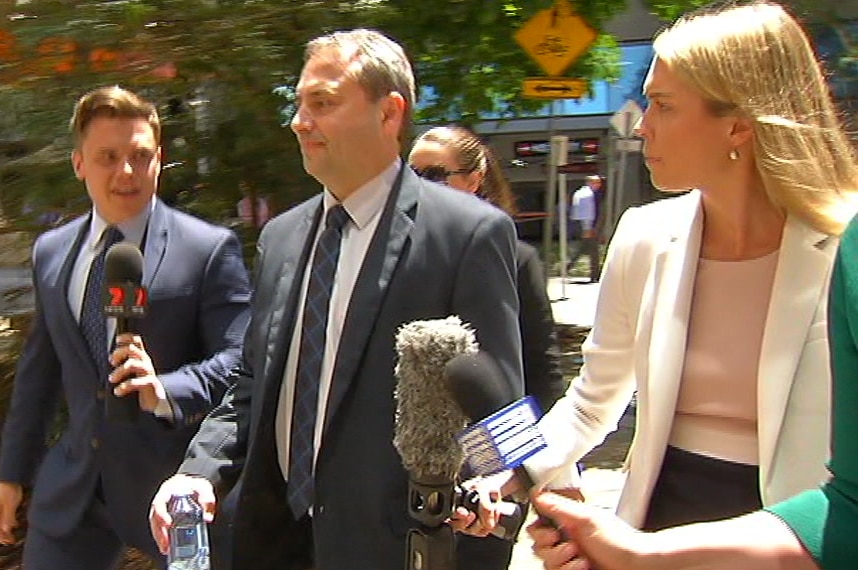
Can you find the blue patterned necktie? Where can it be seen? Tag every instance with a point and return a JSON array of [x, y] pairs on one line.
[[93, 323], [310, 354]]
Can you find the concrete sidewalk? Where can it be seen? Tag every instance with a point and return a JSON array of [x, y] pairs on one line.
[[573, 300]]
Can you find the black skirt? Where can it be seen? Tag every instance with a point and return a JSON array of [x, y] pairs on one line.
[[695, 488]]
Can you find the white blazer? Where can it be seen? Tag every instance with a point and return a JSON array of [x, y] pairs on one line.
[[638, 342]]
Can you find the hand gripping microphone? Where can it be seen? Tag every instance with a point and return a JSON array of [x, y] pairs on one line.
[[125, 299], [425, 429], [507, 435]]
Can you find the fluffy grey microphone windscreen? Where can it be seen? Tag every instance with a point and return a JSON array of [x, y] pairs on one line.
[[427, 418]]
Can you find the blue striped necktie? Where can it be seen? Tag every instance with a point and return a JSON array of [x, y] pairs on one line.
[[310, 354], [93, 323]]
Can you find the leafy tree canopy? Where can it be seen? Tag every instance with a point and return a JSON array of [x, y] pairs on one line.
[[222, 72]]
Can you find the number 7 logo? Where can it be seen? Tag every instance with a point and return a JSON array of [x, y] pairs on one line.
[[117, 296]]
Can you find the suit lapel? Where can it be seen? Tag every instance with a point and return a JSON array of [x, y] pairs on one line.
[[292, 255], [673, 283], [156, 242], [69, 253], [804, 263], [372, 283]]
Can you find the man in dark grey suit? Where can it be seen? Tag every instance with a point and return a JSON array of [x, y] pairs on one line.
[[408, 250], [91, 490]]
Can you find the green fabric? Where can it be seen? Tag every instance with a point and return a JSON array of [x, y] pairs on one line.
[[826, 520]]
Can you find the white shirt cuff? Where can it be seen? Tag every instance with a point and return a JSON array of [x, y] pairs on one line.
[[164, 410]]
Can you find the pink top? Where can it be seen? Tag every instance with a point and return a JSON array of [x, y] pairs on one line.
[[716, 412]]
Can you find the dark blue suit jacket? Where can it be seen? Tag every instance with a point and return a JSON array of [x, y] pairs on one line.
[[436, 252], [198, 312]]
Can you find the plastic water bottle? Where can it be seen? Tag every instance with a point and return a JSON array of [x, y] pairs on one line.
[[189, 536]]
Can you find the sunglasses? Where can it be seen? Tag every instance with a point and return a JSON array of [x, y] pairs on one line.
[[438, 173]]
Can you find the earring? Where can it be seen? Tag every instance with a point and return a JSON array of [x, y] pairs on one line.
[[734, 154]]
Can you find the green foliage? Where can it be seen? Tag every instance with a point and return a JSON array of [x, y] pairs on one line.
[[466, 52], [670, 10], [241, 56]]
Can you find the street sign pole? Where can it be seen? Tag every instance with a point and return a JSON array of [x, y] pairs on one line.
[[559, 157], [554, 38], [550, 201], [621, 187], [621, 178], [624, 122], [611, 188]]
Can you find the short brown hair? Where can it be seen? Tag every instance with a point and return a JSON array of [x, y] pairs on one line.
[[113, 102]]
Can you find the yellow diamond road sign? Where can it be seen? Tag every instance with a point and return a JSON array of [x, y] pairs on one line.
[[554, 88], [556, 37]]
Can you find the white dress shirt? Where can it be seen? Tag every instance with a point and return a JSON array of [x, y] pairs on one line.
[[364, 207], [132, 229], [584, 207]]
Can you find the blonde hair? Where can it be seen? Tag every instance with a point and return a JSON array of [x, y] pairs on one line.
[[473, 155], [113, 102], [383, 67], [754, 60]]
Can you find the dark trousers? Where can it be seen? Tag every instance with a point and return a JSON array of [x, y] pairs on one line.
[[92, 545], [694, 488], [584, 246], [261, 534]]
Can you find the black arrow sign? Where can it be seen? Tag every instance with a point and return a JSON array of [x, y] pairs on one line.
[[560, 88]]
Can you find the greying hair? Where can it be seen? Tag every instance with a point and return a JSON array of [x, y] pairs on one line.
[[383, 67]]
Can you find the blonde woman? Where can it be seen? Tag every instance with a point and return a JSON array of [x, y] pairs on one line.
[[815, 529], [713, 304]]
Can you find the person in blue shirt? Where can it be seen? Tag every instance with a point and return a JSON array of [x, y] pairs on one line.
[[583, 214]]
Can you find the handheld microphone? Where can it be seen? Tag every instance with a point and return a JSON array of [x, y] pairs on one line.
[[504, 435], [509, 435], [428, 421], [424, 435], [125, 299]]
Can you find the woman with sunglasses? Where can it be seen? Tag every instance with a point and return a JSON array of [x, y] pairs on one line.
[[457, 158]]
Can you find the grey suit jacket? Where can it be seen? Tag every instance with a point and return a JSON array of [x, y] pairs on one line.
[[436, 252], [198, 312]]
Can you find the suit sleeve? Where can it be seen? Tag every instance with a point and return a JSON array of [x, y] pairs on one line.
[[485, 295], [37, 390], [597, 398], [826, 519], [543, 377], [196, 388], [218, 451]]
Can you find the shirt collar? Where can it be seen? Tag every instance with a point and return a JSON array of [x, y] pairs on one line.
[[367, 201], [133, 228]]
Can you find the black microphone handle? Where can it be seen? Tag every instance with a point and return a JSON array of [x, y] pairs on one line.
[[431, 502], [121, 408]]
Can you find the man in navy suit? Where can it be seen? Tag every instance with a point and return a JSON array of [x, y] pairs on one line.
[[92, 488], [409, 249]]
